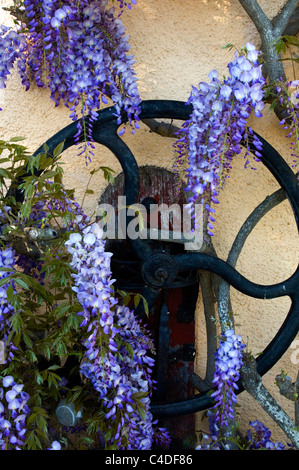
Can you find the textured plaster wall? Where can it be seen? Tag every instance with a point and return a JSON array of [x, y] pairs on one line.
[[176, 43]]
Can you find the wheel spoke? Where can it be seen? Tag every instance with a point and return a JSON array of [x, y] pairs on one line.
[[206, 262]]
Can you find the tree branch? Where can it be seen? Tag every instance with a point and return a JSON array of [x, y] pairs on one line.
[[281, 21], [257, 15], [292, 27], [272, 67], [250, 223], [209, 299], [252, 383], [161, 128], [224, 308], [287, 388]]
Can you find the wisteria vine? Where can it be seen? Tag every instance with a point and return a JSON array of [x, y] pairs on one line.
[[229, 359], [118, 356], [79, 51], [228, 362], [288, 94], [217, 128], [117, 360]]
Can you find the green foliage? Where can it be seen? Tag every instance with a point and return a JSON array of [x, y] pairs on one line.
[[45, 325], [284, 45]]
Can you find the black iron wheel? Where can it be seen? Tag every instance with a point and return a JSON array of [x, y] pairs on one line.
[[158, 268]]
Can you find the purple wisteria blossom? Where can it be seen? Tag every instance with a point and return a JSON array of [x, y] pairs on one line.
[[79, 50], [228, 362], [13, 46], [7, 261], [13, 413], [217, 127], [289, 98], [259, 437], [117, 358]]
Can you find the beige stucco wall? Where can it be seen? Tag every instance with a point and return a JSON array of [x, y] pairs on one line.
[[176, 43]]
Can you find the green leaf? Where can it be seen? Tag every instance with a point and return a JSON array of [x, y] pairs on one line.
[[61, 349], [31, 356], [16, 139], [5, 173], [40, 411], [46, 351], [228, 45], [21, 283], [27, 341], [62, 311], [16, 322], [57, 151], [137, 299], [130, 350], [54, 367], [38, 288], [33, 441], [38, 378], [293, 40], [107, 173], [53, 379], [10, 292], [138, 395], [141, 411]]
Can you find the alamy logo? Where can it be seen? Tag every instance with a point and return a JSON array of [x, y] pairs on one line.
[[155, 222]]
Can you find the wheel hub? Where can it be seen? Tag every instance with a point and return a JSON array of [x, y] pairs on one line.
[[159, 270]]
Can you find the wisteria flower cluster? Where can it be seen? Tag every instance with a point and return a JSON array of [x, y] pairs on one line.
[[12, 49], [117, 360], [217, 127], [7, 261], [79, 51], [228, 362], [259, 437], [289, 98], [13, 413]]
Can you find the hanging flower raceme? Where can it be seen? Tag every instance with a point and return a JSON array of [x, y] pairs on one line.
[[7, 261], [259, 437], [116, 360], [217, 128], [13, 413], [289, 98], [228, 362], [79, 51], [13, 47]]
